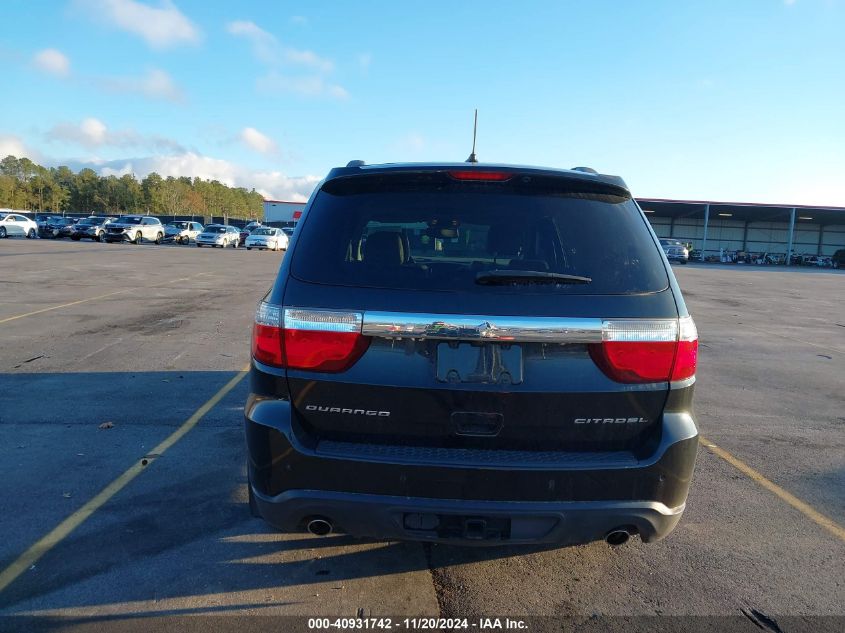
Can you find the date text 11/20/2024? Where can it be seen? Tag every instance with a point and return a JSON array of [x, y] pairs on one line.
[[417, 624]]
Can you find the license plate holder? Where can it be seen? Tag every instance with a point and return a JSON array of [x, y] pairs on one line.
[[487, 363]]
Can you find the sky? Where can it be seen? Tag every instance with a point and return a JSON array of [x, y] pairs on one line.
[[697, 100]]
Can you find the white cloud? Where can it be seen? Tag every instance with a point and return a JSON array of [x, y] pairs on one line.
[[154, 84], [257, 141], [271, 184], [14, 146], [308, 86], [52, 61], [92, 133], [268, 50], [308, 59], [160, 26]]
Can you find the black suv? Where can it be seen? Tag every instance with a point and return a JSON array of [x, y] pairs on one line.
[[474, 354]]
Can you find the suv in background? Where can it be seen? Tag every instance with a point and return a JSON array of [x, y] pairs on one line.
[[135, 229], [55, 227], [838, 259], [425, 368], [245, 232], [92, 227], [675, 251]]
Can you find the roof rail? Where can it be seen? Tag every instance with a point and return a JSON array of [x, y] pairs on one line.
[[586, 170], [355, 163]]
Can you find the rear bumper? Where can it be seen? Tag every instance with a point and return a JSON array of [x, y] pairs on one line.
[[410, 495], [466, 522]]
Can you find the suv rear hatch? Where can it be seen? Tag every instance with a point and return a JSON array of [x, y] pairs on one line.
[[474, 309]]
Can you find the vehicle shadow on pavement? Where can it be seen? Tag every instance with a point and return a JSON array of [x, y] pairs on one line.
[[179, 537]]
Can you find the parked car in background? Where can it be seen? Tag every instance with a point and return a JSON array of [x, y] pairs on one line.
[[838, 259], [218, 235], [288, 230], [17, 225], [551, 403], [249, 228], [43, 218], [135, 229], [267, 237], [55, 227], [675, 251], [182, 232], [67, 229], [92, 228]]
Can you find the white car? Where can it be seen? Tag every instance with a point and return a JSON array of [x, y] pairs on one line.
[[267, 237], [16, 224], [182, 232], [219, 235]]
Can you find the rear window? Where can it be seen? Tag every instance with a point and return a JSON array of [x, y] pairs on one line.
[[430, 232]]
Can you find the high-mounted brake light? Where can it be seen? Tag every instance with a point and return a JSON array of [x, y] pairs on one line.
[[318, 340], [643, 351], [475, 174]]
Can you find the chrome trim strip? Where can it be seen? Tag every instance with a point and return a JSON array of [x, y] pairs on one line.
[[681, 384], [399, 325]]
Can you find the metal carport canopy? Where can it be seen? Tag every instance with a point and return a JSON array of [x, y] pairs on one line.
[[746, 212]]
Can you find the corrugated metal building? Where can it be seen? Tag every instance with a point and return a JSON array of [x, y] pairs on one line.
[[754, 228]]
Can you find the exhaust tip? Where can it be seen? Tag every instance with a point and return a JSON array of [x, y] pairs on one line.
[[319, 526], [615, 538]]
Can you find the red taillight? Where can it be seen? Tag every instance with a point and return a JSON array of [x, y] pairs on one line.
[[686, 357], [318, 340], [323, 351], [647, 351], [474, 174], [267, 335]]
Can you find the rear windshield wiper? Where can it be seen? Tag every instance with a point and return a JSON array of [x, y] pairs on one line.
[[506, 277]]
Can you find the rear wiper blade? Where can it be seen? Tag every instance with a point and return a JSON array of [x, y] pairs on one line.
[[505, 277]]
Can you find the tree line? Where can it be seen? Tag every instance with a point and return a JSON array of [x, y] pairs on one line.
[[26, 186]]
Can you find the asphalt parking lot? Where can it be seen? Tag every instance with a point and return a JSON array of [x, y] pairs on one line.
[[140, 338]]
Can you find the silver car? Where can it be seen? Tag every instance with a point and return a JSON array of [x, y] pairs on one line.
[[219, 235]]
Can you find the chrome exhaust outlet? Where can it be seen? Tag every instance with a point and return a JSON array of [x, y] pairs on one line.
[[615, 538], [319, 527]]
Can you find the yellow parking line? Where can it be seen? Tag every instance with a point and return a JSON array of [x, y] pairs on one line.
[[64, 305], [63, 529], [808, 511]]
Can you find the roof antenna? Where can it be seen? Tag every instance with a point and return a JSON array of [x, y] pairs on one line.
[[472, 157]]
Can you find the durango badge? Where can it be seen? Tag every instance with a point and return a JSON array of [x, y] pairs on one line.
[[321, 409]]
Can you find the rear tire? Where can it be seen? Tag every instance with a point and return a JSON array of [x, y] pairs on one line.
[[159, 238], [249, 248], [30, 234], [100, 237], [199, 245], [138, 238], [3, 233]]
